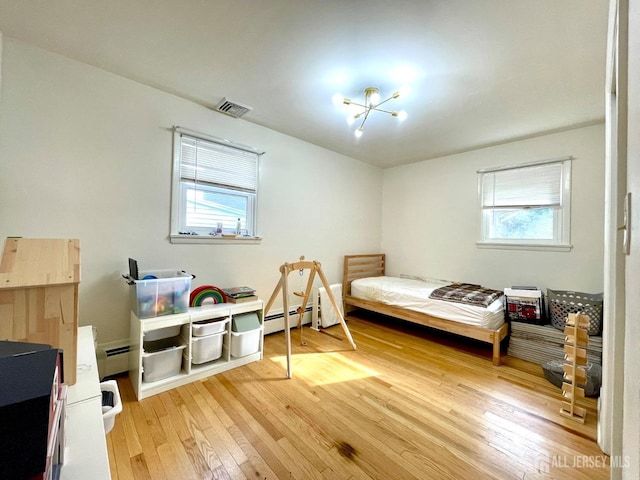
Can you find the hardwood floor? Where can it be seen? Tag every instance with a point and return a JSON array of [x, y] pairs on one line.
[[408, 404]]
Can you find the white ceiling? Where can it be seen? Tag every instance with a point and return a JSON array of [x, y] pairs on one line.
[[480, 72]]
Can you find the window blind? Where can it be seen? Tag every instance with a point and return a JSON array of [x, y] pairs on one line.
[[218, 165], [531, 186]]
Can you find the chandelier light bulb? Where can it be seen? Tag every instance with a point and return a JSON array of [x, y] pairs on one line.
[[358, 132], [338, 99], [404, 91], [402, 115]]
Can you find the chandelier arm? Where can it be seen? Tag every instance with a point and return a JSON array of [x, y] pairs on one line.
[[382, 110], [358, 104], [366, 115], [385, 101]]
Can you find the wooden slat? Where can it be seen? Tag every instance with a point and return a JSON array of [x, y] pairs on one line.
[[573, 409], [582, 335], [581, 376], [569, 391], [35, 262], [361, 266], [580, 354], [577, 319]]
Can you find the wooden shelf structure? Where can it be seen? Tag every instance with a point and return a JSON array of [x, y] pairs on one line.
[[39, 281], [576, 341]]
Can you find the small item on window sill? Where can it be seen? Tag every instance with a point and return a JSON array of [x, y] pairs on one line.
[[238, 227], [188, 233]]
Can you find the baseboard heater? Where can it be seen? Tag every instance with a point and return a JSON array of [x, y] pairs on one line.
[[113, 360], [274, 322]]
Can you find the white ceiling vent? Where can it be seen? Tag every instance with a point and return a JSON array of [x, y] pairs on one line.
[[231, 108]]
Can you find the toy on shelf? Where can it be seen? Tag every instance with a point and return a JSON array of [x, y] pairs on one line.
[[576, 341], [206, 293]]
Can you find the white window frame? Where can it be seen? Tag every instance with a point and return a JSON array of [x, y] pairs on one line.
[[179, 201], [562, 212]]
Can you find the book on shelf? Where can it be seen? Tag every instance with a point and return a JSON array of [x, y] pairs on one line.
[[249, 298], [239, 292]]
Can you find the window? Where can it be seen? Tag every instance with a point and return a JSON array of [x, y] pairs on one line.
[[526, 206], [215, 187]]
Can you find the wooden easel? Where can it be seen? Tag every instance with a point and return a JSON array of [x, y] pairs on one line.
[[314, 268], [576, 341]]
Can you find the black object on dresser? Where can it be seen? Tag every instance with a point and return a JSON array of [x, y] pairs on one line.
[[31, 377]]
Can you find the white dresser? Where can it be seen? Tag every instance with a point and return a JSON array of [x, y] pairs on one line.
[[86, 453]]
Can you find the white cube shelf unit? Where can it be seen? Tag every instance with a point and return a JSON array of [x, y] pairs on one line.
[[145, 332]]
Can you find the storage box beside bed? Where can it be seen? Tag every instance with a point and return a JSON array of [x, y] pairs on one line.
[[524, 305]]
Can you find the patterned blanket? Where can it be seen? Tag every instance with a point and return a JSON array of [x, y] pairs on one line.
[[466, 293]]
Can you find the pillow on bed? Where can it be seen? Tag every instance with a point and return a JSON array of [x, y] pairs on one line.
[[425, 279], [413, 277]]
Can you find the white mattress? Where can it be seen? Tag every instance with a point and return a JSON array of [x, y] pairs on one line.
[[414, 295]]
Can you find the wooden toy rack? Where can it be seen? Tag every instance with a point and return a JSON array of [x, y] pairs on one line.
[[576, 341]]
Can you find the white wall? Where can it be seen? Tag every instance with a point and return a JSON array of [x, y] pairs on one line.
[[430, 217], [87, 154]]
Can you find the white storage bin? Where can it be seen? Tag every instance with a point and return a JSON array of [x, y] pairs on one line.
[[209, 327], [161, 359], [207, 348], [245, 343], [109, 413], [160, 333]]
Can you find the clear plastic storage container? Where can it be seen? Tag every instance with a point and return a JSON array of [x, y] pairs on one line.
[[160, 292]]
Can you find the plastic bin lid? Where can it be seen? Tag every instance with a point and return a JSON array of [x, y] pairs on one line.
[[162, 344], [245, 322]]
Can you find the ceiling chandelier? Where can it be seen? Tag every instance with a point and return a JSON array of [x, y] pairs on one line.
[[371, 102]]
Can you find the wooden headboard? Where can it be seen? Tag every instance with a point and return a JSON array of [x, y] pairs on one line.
[[361, 266]]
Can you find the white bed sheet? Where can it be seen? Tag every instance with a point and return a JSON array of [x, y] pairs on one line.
[[414, 295]]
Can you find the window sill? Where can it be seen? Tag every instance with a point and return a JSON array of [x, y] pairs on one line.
[[176, 238], [565, 247]]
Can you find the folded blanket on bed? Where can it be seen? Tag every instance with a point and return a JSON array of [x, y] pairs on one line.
[[466, 293]]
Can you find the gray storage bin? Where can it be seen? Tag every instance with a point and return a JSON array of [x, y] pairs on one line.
[[554, 373], [562, 303]]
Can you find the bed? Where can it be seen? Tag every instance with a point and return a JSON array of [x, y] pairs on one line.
[[365, 286]]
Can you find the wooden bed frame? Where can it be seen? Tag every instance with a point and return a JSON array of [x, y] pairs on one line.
[[373, 265]]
